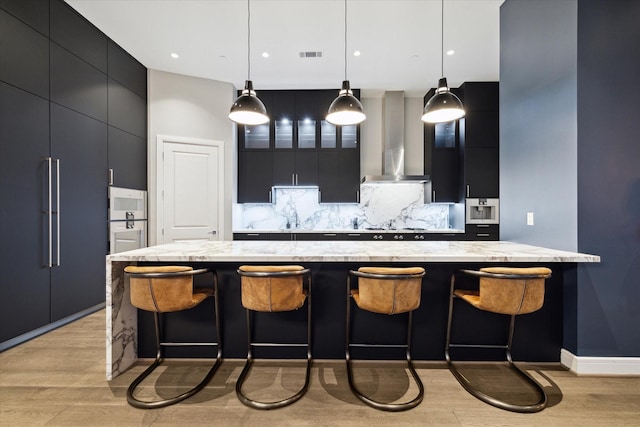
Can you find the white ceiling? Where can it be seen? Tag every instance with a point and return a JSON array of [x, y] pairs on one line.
[[400, 40]]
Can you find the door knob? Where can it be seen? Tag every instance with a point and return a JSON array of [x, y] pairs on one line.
[[214, 232]]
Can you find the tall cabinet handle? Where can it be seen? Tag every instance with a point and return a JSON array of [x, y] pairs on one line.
[[49, 211], [58, 211]]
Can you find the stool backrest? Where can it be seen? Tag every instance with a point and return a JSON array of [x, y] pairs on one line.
[[398, 293], [513, 295], [161, 294], [272, 287]]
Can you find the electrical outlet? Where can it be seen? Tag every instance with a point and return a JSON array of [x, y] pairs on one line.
[[529, 218]]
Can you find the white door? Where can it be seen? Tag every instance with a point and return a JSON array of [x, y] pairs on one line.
[[192, 196]]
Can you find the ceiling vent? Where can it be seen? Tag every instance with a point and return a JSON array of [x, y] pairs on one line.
[[310, 54]]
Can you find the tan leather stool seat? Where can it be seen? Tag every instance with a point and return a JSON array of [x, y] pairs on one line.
[[508, 296], [164, 294], [388, 296], [272, 293]]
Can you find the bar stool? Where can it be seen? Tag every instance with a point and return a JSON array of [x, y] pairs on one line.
[[511, 291], [385, 290], [274, 288], [164, 289]]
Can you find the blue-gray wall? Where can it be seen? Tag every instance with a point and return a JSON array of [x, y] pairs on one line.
[[538, 122], [608, 305], [570, 153]]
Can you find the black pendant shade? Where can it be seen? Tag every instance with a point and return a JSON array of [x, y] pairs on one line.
[[346, 109], [444, 106], [247, 108]]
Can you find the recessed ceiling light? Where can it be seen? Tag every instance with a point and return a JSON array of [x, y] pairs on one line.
[[175, 55], [265, 54], [356, 53], [451, 52]]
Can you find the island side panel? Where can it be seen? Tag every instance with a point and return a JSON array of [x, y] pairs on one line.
[[121, 320]]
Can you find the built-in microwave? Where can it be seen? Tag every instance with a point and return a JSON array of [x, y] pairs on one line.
[[483, 211]]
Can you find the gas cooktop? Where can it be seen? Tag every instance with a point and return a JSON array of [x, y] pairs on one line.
[[396, 229]]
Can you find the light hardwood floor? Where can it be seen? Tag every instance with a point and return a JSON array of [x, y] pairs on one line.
[[58, 379]]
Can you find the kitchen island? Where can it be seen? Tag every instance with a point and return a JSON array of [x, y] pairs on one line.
[[129, 335]]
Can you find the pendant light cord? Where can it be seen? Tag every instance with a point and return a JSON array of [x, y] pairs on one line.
[[345, 39], [442, 38], [248, 40]]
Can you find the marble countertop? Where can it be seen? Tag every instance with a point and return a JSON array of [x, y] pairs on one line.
[[350, 251], [349, 230]]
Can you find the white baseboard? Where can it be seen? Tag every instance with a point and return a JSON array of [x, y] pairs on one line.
[[587, 365]]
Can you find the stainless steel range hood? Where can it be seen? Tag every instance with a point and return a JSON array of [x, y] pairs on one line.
[[393, 143]]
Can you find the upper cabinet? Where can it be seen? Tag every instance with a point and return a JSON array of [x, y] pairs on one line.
[[442, 157], [462, 156], [298, 147], [480, 139]]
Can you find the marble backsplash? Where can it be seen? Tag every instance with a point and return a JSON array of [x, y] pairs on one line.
[[395, 206]]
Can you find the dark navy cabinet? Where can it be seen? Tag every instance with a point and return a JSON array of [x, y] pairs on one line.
[[480, 140], [255, 174], [24, 56], [80, 145], [76, 84], [442, 157], [69, 94], [24, 145], [77, 35], [298, 147]]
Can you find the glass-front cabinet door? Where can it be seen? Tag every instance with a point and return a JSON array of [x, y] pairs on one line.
[[306, 134], [349, 136], [283, 134], [327, 135], [256, 137]]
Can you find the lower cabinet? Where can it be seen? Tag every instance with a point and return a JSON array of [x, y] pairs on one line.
[[482, 232], [355, 235]]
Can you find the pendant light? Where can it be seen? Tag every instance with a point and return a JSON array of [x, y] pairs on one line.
[[444, 106], [346, 109], [248, 109]]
